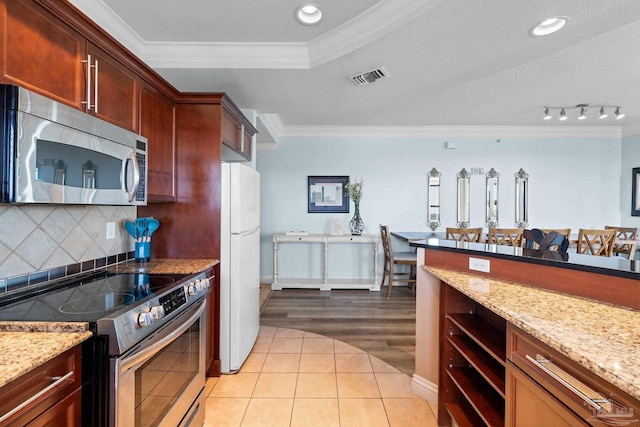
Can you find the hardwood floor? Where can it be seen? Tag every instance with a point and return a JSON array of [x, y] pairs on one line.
[[384, 328]]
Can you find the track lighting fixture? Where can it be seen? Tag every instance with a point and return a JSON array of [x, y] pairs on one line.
[[583, 113], [603, 114], [563, 116], [565, 111]]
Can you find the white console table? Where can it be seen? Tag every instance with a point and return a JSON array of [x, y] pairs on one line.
[[325, 283]]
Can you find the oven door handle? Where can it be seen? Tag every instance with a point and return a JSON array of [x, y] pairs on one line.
[[148, 352]]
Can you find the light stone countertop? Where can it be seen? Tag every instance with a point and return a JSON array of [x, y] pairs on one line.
[[603, 338], [27, 345], [166, 266]]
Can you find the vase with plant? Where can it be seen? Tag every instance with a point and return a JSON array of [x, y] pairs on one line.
[[355, 194]]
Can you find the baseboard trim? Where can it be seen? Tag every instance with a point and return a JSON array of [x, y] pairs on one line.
[[424, 389]]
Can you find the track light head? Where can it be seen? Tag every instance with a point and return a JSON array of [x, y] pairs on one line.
[[619, 115], [563, 115], [603, 114], [547, 116], [583, 114]]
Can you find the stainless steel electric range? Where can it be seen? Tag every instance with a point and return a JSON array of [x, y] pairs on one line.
[[144, 365]]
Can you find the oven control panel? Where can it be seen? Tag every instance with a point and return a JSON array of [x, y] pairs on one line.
[[172, 301]]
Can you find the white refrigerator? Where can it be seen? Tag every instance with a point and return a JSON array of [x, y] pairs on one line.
[[239, 264]]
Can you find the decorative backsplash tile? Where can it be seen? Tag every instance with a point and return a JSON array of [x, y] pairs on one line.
[[44, 237]]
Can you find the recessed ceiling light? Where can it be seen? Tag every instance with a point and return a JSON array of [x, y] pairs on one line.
[[548, 26], [309, 14]]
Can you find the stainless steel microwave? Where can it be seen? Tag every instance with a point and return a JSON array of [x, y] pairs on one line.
[[52, 153]]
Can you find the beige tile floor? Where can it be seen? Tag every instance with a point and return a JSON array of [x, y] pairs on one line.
[[295, 378]]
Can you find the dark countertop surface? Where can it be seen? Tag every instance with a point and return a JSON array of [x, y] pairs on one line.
[[612, 266]]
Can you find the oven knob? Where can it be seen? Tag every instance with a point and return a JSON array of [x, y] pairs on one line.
[[145, 319], [191, 289], [207, 284], [199, 285], [157, 312]]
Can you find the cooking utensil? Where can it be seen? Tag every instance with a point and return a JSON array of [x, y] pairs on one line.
[[152, 225], [141, 226], [131, 228]]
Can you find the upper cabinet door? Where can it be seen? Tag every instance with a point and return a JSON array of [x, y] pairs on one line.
[[41, 53], [158, 125], [114, 89]]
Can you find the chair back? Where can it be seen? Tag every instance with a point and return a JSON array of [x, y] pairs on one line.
[[563, 231], [596, 242], [386, 242], [505, 236], [551, 240], [464, 234], [623, 233]]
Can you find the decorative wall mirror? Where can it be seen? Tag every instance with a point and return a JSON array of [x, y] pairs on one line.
[[464, 186], [491, 215], [433, 199], [522, 196]]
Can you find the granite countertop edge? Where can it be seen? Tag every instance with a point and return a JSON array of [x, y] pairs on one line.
[[579, 328], [166, 266], [27, 345]]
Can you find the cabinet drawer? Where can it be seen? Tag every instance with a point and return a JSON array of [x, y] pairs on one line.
[[526, 397], [25, 398], [590, 397]]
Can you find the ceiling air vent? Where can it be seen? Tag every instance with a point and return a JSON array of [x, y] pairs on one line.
[[367, 77]]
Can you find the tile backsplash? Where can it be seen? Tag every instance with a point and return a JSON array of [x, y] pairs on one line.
[[41, 237]]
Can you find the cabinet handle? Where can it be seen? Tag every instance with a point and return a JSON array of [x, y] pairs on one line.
[[88, 101], [540, 363], [95, 87], [242, 138], [38, 395]]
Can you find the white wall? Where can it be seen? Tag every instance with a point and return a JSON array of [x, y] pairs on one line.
[[574, 182]]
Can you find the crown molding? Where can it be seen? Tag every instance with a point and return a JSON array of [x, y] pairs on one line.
[[375, 22], [451, 132]]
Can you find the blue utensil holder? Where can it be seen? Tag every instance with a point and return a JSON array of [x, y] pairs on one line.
[[143, 251]]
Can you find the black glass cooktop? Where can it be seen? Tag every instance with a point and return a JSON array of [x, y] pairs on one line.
[[84, 300]]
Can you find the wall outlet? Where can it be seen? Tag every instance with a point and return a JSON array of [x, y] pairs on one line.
[[478, 264], [111, 230]]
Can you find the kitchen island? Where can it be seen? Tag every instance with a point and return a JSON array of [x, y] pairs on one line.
[[531, 294]]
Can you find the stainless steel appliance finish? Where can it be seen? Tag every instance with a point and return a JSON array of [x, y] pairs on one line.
[[157, 358], [52, 153], [161, 381]]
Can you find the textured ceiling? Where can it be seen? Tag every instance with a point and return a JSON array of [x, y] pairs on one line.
[[451, 62]]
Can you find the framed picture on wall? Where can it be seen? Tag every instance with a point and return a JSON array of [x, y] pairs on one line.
[[327, 194], [635, 189]]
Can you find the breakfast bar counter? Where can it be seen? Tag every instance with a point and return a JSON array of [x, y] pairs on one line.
[[579, 312], [601, 337]]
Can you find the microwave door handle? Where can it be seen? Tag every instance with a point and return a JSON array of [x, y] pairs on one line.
[[131, 157]]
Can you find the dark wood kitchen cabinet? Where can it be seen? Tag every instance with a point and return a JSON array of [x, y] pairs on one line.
[[158, 124], [43, 53], [191, 226], [236, 135], [471, 387], [56, 386]]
